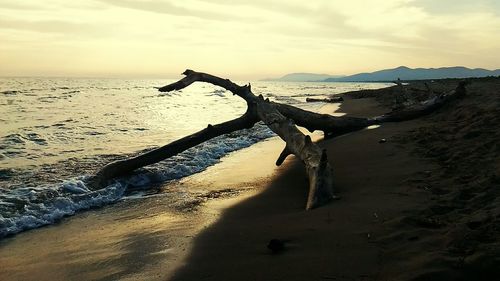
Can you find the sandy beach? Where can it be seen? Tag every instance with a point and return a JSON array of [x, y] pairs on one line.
[[141, 239], [421, 205], [337, 241], [416, 207], [163, 140]]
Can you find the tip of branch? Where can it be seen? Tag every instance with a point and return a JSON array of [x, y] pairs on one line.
[[283, 156], [187, 72], [96, 182]]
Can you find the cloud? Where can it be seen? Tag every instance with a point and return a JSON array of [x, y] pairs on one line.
[[167, 7], [288, 8], [458, 7], [239, 36], [53, 26]]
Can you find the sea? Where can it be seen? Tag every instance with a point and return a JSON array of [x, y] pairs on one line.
[[56, 132]]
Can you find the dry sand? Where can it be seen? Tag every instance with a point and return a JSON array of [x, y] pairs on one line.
[[456, 233], [335, 242]]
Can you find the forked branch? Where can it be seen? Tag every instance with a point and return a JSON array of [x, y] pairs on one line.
[[282, 120], [318, 169]]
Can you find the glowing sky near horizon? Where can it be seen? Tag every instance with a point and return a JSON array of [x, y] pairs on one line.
[[243, 39]]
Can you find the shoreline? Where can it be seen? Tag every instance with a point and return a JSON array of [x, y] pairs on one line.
[[403, 213], [146, 238]]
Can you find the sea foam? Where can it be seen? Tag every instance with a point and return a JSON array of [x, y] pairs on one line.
[[24, 208]]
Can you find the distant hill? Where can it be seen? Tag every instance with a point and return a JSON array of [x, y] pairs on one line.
[[405, 73], [303, 77]]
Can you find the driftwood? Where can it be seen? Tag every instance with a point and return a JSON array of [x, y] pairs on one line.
[[425, 107], [328, 100], [403, 97], [318, 169], [281, 119]]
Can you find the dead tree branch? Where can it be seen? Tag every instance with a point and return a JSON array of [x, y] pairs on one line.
[[281, 119], [314, 158]]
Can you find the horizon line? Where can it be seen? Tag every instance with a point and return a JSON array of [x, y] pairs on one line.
[[175, 76]]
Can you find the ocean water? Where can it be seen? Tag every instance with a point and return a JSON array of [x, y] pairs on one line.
[[55, 132]]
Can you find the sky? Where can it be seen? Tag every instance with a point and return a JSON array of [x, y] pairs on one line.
[[243, 39]]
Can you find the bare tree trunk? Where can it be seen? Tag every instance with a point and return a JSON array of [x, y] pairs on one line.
[[281, 119], [317, 167]]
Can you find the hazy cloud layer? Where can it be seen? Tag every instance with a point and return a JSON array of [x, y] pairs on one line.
[[460, 7], [169, 8], [244, 38]]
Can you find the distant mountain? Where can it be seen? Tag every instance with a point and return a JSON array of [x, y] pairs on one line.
[[405, 73], [304, 77]]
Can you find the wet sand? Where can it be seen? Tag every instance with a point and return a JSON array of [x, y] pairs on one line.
[[137, 239]]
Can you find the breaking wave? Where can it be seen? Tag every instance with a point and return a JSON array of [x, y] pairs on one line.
[[28, 207]]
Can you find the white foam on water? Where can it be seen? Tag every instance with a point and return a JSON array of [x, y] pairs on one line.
[[24, 208], [68, 131], [48, 205]]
